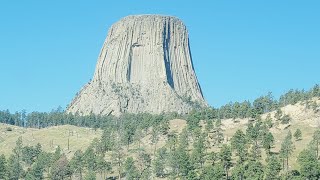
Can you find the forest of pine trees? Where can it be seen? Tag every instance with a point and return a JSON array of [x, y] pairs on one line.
[[195, 153]]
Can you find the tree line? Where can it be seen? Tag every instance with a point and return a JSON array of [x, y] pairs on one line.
[[198, 152], [244, 109]]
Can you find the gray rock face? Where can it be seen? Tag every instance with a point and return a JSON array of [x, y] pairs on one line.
[[145, 65]]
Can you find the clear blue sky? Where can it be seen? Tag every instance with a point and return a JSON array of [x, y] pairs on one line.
[[241, 49]]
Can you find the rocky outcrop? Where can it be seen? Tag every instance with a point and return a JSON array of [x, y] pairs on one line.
[[145, 65]]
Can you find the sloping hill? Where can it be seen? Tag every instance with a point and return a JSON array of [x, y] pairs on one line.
[[49, 138], [306, 119]]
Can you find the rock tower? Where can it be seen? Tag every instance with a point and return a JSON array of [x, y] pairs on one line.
[[145, 65]]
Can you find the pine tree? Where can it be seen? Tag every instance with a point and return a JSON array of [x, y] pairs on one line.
[[131, 169], [184, 139], [91, 175], [268, 121], [239, 144], [77, 163], [238, 171], [309, 164], [60, 168], [184, 164], [286, 149], [159, 162], [102, 166], [3, 167], [297, 134], [278, 114], [316, 139], [17, 151], [253, 170], [218, 132], [45, 160], [267, 142], [272, 168], [198, 152], [89, 159], [154, 138], [36, 172], [118, 157], [179, 162], [212, 172], [143, 161], [138, 135], [15, 169], [225, 157]]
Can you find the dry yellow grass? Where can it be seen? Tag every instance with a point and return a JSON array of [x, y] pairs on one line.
[[304, 119], [80, 138], [49, 138]]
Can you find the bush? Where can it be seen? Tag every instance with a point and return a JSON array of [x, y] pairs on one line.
[[285, 119], [9, 129]]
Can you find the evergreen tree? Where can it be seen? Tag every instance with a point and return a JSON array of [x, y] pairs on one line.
[[212, 172], [285, 119], [297, 134], [213, 157], [15, 169], [239, 144], [131, 169], [107, 139], [238, 171], [17, 151], [36, 172], [56, 155], [309, 164], [89, 159], [255, 133], [225, 158], [102, 166], [253, 170], [60, 169], [30, 153], [138, 135], [159, 162], [278, 114], [184, 139], [77, 163], [179, 161], [272, 168], [143, 161], [3, 167], [316, 140], [268, 121], [154, 138], [45, 160], [198, 152], [118, 157], [286, 149], [209, 126], [267, 142], [91, 175], [218, 132]]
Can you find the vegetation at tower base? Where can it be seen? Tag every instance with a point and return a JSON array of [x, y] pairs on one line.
[[141, 146], [261, 105]]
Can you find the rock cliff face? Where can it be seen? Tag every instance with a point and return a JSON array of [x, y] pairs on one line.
[[145, 65]]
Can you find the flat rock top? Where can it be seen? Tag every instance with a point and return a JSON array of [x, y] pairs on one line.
[[149, 16]]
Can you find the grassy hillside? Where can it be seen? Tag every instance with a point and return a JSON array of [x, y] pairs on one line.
[[79, 138], [302, 118], [49, 138]]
